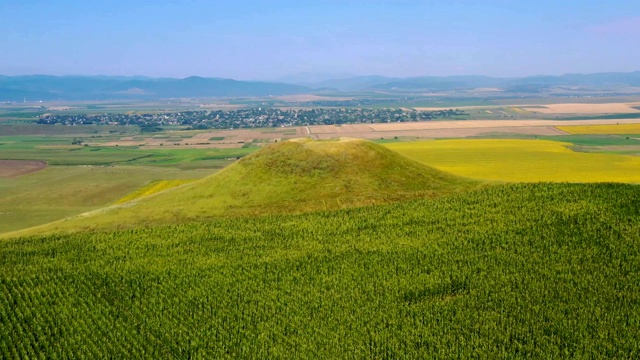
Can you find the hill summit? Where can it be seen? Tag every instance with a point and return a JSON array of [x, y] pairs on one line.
[[288, 177]]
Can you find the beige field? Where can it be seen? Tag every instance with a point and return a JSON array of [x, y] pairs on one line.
[[308, 98], [446, 129], [549, 109], [614, 108], [447, 133], [220, 106], [60, 108], [15, 168]]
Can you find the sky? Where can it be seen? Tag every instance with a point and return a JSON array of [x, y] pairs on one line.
[[272, 39]]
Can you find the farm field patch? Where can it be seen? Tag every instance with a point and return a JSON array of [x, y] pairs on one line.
[[602, 129], [612, 108], [15, 168], [451, 129], [59, 151], [520, 160]]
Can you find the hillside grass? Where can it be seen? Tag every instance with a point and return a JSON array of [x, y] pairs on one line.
[[520, 160], [287, 177], [512, 271]]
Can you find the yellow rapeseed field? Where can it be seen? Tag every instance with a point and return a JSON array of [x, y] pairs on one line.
[[153, 188], [601, 129], [520, 160]]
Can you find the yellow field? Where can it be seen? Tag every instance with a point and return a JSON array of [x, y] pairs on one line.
[[601, 129], [153, 188], [521, 161], [519, 110]]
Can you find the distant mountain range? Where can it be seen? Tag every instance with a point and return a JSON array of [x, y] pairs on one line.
[[44, 87], [446, 83], [47, 88]]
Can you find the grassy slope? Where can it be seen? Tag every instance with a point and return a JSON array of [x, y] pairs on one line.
[[512, 271], [61, 191], [520, 160], [288, 177]]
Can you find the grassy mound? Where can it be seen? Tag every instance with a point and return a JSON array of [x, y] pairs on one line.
[[288, 177], [542, 271]]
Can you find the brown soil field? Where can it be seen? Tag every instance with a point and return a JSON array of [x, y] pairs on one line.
[[15, 168], [614, 108]]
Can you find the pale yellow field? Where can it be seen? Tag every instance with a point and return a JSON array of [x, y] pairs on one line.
[[613, 108], [309, 97], [153, 188], [601, 129], [519, 110], [521, 161]]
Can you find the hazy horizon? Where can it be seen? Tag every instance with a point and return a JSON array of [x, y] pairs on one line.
[[276, 40]]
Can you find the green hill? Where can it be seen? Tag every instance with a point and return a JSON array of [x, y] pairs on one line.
[[287, 177], [543, 271]]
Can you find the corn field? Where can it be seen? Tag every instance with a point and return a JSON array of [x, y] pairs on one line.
[[512, 271]]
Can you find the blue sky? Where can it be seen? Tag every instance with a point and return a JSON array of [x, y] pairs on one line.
[[270, 39]]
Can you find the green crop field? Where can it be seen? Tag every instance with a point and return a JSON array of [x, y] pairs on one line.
[[512, 271], [59, 151], [520, 160], [23, 129]]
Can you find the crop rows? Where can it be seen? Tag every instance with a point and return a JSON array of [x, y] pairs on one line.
[[518, 271]]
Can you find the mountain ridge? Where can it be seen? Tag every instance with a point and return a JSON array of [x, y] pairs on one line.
[[79, 87], [47, 88]]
